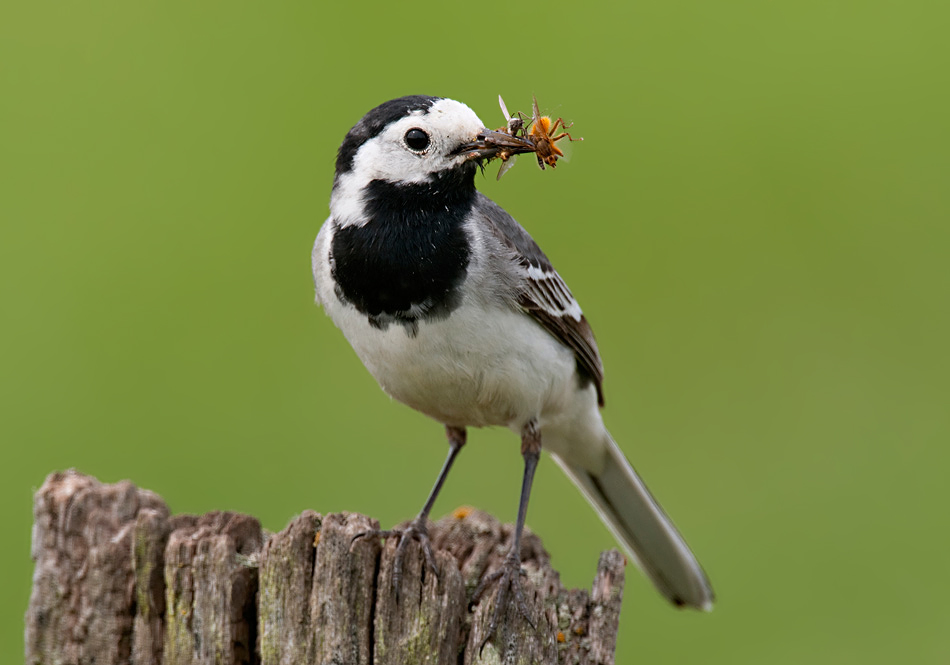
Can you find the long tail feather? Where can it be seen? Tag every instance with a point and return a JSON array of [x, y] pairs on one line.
[[637, 521]]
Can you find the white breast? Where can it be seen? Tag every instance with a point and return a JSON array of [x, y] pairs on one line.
[[487, 363]]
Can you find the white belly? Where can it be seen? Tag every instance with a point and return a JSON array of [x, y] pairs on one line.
[[470, 369], [485, 364]]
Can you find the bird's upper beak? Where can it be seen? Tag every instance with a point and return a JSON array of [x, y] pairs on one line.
[[489, 144]]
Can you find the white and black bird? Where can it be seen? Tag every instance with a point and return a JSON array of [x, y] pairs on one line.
[[457, 312]]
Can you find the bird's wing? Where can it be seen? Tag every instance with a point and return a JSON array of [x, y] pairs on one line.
[[543, 293]]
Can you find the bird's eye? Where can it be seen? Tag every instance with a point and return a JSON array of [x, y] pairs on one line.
[[416, 139]]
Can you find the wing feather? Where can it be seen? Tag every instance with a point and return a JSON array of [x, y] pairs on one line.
[[544, 295]]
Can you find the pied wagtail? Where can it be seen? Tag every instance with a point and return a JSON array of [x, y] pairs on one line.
[[457, 312]]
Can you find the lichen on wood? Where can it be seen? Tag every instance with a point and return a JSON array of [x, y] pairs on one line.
[[119, 579]]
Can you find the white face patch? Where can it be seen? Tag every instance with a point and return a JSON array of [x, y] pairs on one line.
[[448, 124]]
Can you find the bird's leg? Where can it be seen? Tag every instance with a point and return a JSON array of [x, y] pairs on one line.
[[417, 528], [510, 573]]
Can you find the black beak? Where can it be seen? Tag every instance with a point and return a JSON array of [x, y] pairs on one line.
[[489, 144]]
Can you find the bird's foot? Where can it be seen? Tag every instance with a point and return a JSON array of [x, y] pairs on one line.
[[508, 578], [415, 530]]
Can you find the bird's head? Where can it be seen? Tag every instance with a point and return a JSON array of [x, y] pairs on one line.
[[430, 144], [413, 139]]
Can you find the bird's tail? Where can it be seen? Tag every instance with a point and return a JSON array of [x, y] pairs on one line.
[[626, 506]]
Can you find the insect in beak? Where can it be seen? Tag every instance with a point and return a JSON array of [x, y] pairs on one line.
[[490, 143], [543, 135], [515, 138]]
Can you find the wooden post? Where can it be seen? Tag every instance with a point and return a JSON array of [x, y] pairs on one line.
[[118, 579]]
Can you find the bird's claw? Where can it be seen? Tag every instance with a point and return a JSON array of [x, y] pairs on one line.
[[508, 578], [415, 530]]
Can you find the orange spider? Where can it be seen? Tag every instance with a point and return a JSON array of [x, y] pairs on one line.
[[542, 135]]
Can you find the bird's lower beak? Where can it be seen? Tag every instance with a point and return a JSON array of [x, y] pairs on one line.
[[489, 144]]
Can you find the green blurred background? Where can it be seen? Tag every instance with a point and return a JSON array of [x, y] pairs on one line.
[[756, 225]]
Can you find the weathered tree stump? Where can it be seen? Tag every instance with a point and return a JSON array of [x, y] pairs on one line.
[[118, 579]]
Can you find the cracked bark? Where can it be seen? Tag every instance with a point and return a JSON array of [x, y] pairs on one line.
[[118, 579]]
